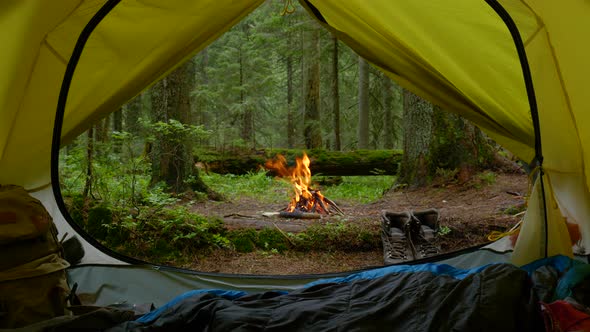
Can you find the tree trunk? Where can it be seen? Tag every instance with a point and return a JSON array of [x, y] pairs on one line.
[[203, 109], [312, 130], [89, 159], [435, 139], [247, 116], [389, 131], [335, 96], [118, 127], [417, 137], [458, 145], [290, 121], [132, 114], [363, 129], [247, 113], [102, 130], [172, 157]]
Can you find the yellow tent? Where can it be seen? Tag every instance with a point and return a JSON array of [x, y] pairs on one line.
[[462, 55]]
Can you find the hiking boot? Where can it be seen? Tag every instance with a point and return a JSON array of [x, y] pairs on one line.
[[395, 235], [424, 227]]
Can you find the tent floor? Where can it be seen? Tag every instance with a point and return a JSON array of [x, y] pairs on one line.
[[108, 284]]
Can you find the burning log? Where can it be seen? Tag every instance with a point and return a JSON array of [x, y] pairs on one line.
[[305, 200], [317, 203], [299, 215]]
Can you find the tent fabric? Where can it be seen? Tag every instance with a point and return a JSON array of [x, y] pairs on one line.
[[558, 62], [459, 55]]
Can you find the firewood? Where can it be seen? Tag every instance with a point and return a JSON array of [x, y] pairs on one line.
[[300, 215]]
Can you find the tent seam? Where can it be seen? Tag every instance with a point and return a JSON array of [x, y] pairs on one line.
[[540, 23], [561, 83], [557, 68], [39, 188], [54, 51], [530, 39]]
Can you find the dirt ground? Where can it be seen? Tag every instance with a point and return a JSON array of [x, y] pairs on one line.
[[471, 211]]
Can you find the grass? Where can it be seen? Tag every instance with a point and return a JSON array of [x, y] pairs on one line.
[[360, 189], [256, 185]]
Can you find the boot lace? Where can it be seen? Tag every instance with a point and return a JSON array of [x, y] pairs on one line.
[[399, 242], [426, 247]]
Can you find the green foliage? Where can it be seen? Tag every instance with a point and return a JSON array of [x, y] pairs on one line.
[[362, 189], [156, 197], [444, 230], [177, 132], [97, 217], [269, 238], [119, 179], [122, 210], [160, 235], [243, 240], [487, 178]]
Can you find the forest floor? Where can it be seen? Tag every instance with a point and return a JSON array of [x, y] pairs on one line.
[[470, 211]]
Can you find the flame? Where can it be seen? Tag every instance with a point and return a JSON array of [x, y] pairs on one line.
[[305, 198]]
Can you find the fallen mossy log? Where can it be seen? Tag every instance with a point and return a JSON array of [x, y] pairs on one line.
[[329, 163]]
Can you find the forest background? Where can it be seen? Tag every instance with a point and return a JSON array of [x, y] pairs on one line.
[[276, 82]]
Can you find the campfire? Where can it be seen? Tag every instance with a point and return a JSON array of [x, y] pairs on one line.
[[306, 201]]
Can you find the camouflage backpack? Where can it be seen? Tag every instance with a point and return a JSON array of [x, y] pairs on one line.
[[33, 284]]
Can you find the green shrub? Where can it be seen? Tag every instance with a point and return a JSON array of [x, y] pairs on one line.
[[269, 238], [487, 178], [243, 240], [98, 217]]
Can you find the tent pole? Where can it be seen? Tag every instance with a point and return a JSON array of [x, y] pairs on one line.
[[57, 128], [528, 81]]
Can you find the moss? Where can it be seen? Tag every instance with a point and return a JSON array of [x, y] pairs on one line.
[[341, 236], [269, 238], [247, 240], [243, 240]]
